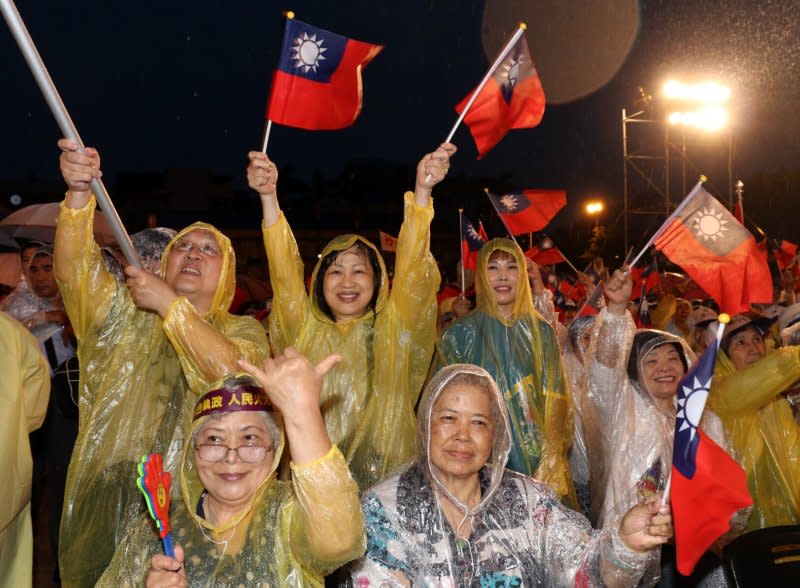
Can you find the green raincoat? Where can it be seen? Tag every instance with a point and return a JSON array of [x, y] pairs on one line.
[[522, 354]]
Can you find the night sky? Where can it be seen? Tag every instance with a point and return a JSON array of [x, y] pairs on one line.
[[160, 85]]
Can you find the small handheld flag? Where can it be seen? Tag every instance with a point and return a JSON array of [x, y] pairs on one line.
[[708, 486], [154, 483]]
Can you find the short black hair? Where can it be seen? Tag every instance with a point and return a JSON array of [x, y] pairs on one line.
[[327, 261]]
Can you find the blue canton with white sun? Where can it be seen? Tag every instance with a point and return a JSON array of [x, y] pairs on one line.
[[510, 203], [309, 52]]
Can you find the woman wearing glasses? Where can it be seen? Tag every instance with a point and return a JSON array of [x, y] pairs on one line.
[[236, 523]]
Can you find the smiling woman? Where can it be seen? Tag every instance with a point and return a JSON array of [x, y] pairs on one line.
[[457, 517], [236, 523], [385, 335]]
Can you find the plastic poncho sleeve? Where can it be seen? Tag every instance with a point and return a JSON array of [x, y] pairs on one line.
[[606, 361], [290, 302], [328, 526], [416, 276], [85, 284], [206, 353], [745, 391]]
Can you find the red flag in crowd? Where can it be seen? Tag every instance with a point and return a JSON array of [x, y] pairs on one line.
[[717, 252], [644, 279], [544, 251], [317, 85], [528, 211], [471, 243], [388, 243], [513, 98], [785, 254], [708, 486], [591, 306]]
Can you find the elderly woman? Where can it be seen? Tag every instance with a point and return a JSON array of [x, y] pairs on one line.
[[633, 378], [457, 517], [237, 525], [148, 349], [386, 337]]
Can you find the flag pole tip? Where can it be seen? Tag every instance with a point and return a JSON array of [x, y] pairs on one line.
[[289, 14], [460, 210], [522, 25], [724, 318], [703, 178], [486, 190]]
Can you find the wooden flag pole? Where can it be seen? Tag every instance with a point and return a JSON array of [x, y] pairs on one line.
[[59, 111]]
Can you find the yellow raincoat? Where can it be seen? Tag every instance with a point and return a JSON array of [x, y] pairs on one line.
[[24, 392], [137, 375], [269, 544], [766, 437], [522, 354], [368, 401]]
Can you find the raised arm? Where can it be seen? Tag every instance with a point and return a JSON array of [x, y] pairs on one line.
[[329, 525], [85, 284], [290, 301], [416, 276]]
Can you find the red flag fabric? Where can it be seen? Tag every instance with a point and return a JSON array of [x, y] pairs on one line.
[[718, 253], [785, 254], [471, 243], [528, 211], [513, 98], [388, 243], [708, 486], [544, 251], [317, 85]]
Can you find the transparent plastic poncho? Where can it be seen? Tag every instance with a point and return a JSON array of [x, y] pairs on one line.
[[368, 401], [521, 534], [522, 354], [291, 534], [763, 431], [139, 378]]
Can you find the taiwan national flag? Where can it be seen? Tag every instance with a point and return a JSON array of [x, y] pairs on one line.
[[513, 98], [471, 243], [317, 85], [544, 251], [717, 252], [708, 486], [528, 211]]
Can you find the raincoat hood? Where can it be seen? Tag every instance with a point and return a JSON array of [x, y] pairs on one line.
[[226, 286], [523, 305], [341, 243], [645, 341], [192, 487], [495, 466]]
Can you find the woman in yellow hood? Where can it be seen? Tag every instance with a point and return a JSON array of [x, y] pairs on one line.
[[147, 350], [509, 339], [235, 524], [385, 338]]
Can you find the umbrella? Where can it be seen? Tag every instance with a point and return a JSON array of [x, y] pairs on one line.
[[38, 222]]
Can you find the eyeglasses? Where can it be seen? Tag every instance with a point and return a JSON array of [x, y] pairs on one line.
[[247, 453], [207, 249]]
